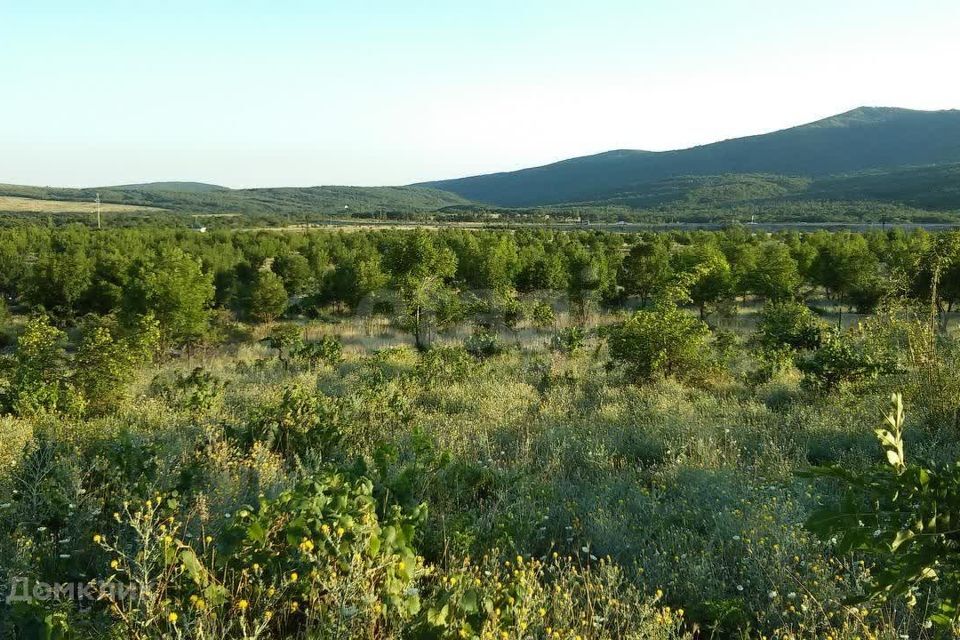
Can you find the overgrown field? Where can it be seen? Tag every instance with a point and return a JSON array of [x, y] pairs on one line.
[[461, 434]]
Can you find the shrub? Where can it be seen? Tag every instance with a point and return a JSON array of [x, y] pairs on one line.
[[789, 324], [482, 344], [36, 374], [197, 392], [286, 339], [327, 350], [841, 360], [543, 315], [317, 559], [444, 363], [569, 340], [298, 423], [665, 341]]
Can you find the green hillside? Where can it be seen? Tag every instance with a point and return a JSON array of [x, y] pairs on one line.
[[198, 198], [865, 139]]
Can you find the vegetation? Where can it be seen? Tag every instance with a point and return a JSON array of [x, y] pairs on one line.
[[837, 145], [478, 434]]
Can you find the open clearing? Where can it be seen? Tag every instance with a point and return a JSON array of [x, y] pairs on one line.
[[32, 205]]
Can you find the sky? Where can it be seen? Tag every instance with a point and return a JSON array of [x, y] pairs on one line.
[[248, 93]]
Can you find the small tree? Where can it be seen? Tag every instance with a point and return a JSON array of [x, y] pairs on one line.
[[426, 305], [173, 288], [775, 274], [645, 270], [662, 341], [268, 298], [104, 365], [36, 374], [286, 339], [789, 324]]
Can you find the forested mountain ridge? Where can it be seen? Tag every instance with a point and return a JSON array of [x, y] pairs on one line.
[[865, 139]]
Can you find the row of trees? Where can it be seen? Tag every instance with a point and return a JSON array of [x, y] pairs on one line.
[[178, 277]]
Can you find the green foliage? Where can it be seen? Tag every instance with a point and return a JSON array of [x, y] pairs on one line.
[[36, 375], [841, 359], [775, 274], [327, 350], [268, 298], [569, 340], [105, 366], [712, 279], [173, 288], [646, 270], [666, 341], [197, 392], [325, 532], [903, 517], [298, 424], [791, 325], [287, 339], [483, 344], [543, 315]]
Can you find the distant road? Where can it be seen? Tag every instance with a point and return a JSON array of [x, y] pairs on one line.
[[625, 227]]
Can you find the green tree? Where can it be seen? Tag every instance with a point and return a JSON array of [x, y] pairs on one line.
[[268, 298], [173, 288], [775, 275], [713, 281], [59, 279], [37, 372], [104, 366], [295, 272], [356, 279], [663, 341], [645, 270], [789, 324]]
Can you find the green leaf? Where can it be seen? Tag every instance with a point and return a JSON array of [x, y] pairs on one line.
[[192, 565], [438, 618], [468, 602]]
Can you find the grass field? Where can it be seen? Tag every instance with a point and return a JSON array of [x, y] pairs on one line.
[[32, 205]]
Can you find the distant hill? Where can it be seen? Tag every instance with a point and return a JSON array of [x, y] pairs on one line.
[[184, 187], [865, 139], [189, 197]]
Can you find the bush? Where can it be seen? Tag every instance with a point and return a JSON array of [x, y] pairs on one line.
[[300, 422], [444, 363], [316, 558], [327, 350], [665, 341], [841, 360], [36, 375], [482, 344], [197, 392], [569, 340], [543, 315], [789, 324]]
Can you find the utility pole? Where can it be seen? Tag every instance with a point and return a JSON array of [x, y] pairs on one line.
[[98, 210]]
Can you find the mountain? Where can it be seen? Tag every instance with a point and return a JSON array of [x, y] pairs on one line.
[[192, 197], [865, 139]]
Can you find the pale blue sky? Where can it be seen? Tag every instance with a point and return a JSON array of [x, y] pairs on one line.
[[246, 93]]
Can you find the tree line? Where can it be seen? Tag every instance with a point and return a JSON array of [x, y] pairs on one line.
[[183, 279]]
